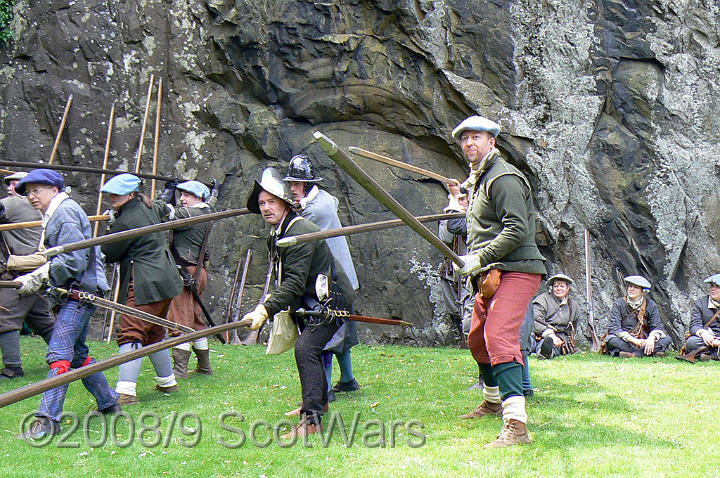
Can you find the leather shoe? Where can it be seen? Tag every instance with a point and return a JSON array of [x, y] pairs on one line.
[[8, 373], [302, 429], [546, 347], [126, 399], [349, 386], [485, 408], [626, 355], [111, 410], [39, 429], [170, 389]]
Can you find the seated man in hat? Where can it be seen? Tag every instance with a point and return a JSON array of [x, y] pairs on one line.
[[704, 338], [300, 270], [17, 247], [635, 328], [555, 319], [65, 222]]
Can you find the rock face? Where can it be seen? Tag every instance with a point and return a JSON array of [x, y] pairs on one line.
[[609, 107]]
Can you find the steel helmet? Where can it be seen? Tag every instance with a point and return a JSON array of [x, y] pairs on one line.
[[270, 181], [301, 169]]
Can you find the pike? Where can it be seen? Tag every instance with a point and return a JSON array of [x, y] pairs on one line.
[[588, 292], [347, 315], [60, 130], [157, 139], [106, 155], [238, 302], [29, 224], [399, 164], [252, 337], [358, 228], [139, 231], [144, 124], [30, 390], [342, 159], [76, 169]]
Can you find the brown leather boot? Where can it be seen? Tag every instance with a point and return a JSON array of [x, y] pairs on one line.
[[485, 408], [180, 368], [203, 365], [514, 432]]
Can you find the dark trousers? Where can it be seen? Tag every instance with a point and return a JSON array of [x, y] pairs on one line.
[[615, 345], [308, 356]]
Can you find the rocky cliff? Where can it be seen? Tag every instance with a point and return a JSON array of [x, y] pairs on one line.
[[609, 106]]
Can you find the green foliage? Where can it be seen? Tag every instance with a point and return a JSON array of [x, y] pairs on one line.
[[6, 16], [591, 416]]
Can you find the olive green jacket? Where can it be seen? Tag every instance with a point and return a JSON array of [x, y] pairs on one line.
[[501, 218], [188, 240], [155, 275]]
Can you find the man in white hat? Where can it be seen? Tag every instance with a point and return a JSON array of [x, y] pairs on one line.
[[704, 324], [34, 308], [555, 315], [634, 326], [303, 272], [505, 267]]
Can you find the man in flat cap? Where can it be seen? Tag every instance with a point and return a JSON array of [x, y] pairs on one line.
[[65, 222], [555, 315], [635, 328], [303, 274], [704, 335], [16, 249], [505, 268]]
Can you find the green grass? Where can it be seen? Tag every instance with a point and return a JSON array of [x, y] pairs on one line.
[[591, 416]]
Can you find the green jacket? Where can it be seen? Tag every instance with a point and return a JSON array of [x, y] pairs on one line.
[[501, 218], [155, 275], [189, 239], [298, 267]]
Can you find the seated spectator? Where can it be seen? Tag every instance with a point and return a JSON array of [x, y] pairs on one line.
[[555, 319], [704, 338], [635, 328]]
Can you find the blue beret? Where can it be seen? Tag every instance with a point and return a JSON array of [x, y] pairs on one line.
[[121, 184], [40, 176], [714, 279], [196, 188], [476, 123]]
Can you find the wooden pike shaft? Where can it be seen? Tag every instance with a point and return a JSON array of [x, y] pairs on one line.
[[29, 224], [342, 159], [78, 169], [144, 124], [60, 130], [398, 164], [130, 233], [105, 164], [157, 138], [238, 302], [13, 396], [358, 228]]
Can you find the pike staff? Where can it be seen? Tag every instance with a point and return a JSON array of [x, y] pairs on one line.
[[144, 124], [157, 139], [60, 130], [111, 121], [342, 159]]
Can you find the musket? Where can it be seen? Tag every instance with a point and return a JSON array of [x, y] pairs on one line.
[[399, 164], [342, 159], [60, 130], [78, 169], [358, 228], [252, 337], [588, 293], [130, 233], [29, 224], [328, 313], [30, 390]]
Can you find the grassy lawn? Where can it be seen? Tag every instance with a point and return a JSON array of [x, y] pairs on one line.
[[591, 416]]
